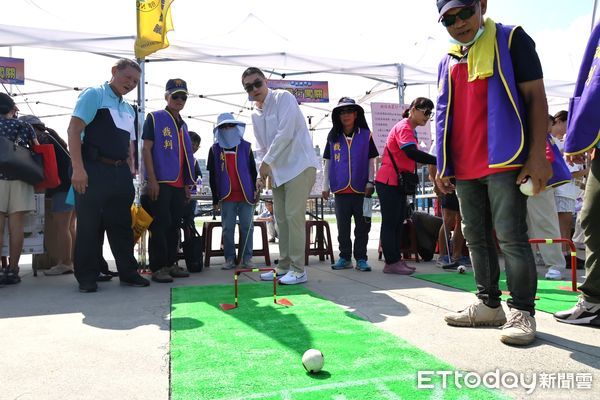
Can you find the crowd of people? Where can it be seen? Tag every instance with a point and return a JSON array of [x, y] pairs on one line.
[[493, 133]]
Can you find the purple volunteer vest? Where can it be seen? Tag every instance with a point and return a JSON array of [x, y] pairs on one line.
[[165, 152], [506, 122], [222, 174], [583, 125], [560, 171], [349, 166]]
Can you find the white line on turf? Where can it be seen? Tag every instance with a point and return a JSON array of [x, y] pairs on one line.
[[287, 394]]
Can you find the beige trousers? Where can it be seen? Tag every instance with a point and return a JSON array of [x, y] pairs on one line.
[[289, 207]]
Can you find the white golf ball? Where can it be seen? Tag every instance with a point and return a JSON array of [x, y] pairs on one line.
[[313, 360], [461, 269], [527, 187]]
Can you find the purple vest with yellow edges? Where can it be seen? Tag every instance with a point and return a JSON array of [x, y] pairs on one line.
[[507, 144], [583, 125], [165, 152], [349, 166], [560, 171], [242, 160]]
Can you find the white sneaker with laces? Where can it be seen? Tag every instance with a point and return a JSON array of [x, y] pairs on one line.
[[553, 274], [477, 314], [519, 329], [293, 278], [268, 276]]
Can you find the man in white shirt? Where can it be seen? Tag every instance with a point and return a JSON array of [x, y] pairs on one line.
[[285, 153]]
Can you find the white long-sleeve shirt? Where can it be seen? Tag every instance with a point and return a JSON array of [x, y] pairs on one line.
[[282, 137]]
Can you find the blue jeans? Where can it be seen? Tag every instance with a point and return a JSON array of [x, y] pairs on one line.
[[495, 201], [230, 211]]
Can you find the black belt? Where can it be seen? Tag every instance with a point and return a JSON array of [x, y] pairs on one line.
[[110, 161]]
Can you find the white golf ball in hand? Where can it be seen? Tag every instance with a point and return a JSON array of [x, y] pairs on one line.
[[527, 187]]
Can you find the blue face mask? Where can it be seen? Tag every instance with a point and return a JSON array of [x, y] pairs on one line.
[[229, 138], [477, 36]]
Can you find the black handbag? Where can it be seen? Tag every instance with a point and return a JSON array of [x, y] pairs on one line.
[[20, 163], [193, 246], [407, 181]]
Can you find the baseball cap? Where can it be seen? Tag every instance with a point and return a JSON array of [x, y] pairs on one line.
[[176, 85], [445, 5]]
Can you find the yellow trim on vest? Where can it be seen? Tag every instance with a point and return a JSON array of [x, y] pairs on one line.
[[448, 107], [590, 147], [514, 104]]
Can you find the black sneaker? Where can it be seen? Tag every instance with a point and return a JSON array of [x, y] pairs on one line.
[[135, 280], [88, 287], [580, 262], [584, 313], [11, 277], [102, 277]]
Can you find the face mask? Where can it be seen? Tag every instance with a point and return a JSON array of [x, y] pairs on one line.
[[477, 36], [229, 138]]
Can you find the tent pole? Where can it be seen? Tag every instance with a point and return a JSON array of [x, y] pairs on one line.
[[400, 68], [141, 112], [594, 14]]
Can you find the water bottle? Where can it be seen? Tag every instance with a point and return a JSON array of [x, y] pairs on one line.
[[367, 209]]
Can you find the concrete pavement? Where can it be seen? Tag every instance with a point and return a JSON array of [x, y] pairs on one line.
[[114, 344]]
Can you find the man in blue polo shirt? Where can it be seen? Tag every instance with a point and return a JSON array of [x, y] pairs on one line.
[[100, 134]]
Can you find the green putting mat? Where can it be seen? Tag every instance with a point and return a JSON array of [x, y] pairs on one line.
[[552, 297], [255, 350]]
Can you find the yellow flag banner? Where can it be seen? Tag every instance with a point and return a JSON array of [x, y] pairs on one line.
[[153, 23]]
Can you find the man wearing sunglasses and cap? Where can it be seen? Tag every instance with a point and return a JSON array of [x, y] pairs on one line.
[[491, 131], [169, 162], [286, 155]]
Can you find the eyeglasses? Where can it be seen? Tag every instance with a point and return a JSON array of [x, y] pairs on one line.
[[178, 96], [226, 126], [428, 113], [250, 86], [346, 111], [464, 14]]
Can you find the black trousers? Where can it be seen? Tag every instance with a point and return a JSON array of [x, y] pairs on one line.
[[106, 204], [393, 214], [167, 213], [346, 207]]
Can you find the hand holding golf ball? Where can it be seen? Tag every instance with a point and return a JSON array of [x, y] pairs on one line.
[[527, 187], [312, 360]]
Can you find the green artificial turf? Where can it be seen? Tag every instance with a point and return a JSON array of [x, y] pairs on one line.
[[552, 297], [255, 350]]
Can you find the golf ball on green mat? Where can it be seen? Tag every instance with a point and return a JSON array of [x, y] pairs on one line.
[[313, 360], [461, 269]]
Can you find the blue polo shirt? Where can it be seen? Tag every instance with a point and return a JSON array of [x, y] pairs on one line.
[[110, 121]]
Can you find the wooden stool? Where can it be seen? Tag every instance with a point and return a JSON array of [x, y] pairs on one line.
[[408, 245], [207, 231], [262, 252], [323, 246]]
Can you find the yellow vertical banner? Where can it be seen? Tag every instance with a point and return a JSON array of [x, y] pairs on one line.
[[153, 23]]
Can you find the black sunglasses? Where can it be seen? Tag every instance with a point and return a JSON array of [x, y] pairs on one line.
[[250, 86], [348, 110], [178, 96], [227, 126], [428, 113], [464, 14]]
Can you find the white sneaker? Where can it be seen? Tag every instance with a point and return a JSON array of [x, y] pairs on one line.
[[553, 275], [584, 313], [476, 314], [519, 329], [268, 276], [293, 278], [59, 269]]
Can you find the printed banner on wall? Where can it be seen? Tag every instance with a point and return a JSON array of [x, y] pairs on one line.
[[385, 116], [303, 91], [12, 71]]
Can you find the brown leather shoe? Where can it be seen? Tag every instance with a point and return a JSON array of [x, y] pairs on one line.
[[399, 268]]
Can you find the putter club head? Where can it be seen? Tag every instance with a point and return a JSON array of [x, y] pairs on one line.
[[227, 307]]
